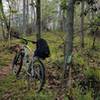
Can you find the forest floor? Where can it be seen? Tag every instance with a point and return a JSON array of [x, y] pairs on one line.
[[4, 72], [13, 89]]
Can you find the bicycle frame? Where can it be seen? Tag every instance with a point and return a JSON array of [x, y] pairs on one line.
[[26, 59], [33, 66]]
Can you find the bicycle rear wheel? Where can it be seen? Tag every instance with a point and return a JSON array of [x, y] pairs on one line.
[[36, 76]]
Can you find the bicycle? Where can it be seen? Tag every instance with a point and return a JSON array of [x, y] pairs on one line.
[[35, 69]]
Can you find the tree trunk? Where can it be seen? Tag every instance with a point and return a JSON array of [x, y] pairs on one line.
[[27, 16], [33, 18], [7, 24], [38, 23], [24, 17], [82, 24], [4, 17], [32, 8], [18, 15], [3, 32], [69, 36]]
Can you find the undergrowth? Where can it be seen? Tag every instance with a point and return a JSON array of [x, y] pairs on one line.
[[86, 71]]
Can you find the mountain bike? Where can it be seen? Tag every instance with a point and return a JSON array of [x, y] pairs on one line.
[[34, 67]]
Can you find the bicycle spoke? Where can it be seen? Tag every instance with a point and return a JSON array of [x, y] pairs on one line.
[[38, 75]]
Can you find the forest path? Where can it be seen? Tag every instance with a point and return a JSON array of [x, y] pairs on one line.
[[5, 71]]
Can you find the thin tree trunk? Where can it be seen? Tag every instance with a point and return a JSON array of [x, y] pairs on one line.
[[32, 15], [3, 32], [4, 17], [94, 31], [82, 24], [94, 38], [33, 19], [38, 23], [7, 24], [24, 17], [64, 21], [70, 33], [18, 15], [27, 13]]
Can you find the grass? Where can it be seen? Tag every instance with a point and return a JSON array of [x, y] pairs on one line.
[[13, 89], [9, 85]]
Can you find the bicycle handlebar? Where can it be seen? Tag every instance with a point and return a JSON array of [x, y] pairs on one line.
[[18, 37]]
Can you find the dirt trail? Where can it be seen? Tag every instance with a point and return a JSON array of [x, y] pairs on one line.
[[5, 71]]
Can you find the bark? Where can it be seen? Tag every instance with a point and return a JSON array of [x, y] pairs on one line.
[[61, 20], [7, 23], [4, 17], [18, 15], [33, 18], [27, 16], [64, 21], [38, 23], [3, 32], [94, 31], [82, 24], [24, 17], [70, 33], [94, 38], [32, 8]]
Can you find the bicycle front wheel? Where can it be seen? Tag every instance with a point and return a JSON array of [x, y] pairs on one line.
[[36, 76], [17, 64]]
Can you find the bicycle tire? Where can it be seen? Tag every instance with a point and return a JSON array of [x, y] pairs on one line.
[[41, 74], [17, 64]]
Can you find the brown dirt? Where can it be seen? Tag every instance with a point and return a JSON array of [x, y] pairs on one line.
[[4, 71]]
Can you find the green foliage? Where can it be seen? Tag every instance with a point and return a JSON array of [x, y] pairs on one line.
[[98, 97], [78, 96], [63, 5], [48, 9], [17, 89], [13, 11], [78, 59], [97, 20], [97, 74], [89, 72], [92, 72]]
